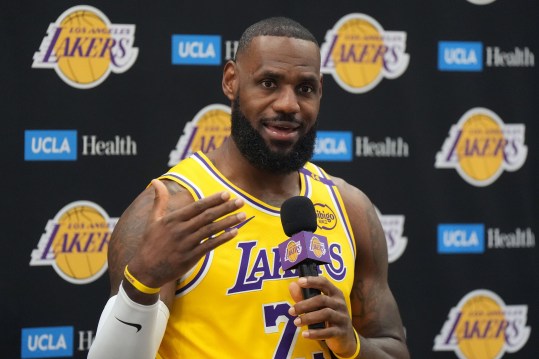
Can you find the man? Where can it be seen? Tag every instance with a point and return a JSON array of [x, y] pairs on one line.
[[194, 256]]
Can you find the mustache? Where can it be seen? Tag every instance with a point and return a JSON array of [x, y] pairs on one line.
[[283, 117]]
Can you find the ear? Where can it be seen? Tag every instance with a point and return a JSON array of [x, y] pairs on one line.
[[321, 83], [230, 80]]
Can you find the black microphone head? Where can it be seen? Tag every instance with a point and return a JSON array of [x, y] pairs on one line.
[[298, 214]]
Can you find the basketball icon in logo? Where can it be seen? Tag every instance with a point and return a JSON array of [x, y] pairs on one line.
[[481, 146], [83, 47], [76, 242], [359, 53]]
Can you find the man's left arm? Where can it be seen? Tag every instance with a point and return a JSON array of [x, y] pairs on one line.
[[375, 314]]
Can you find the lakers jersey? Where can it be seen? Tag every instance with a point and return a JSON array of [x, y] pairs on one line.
[[234, 303]]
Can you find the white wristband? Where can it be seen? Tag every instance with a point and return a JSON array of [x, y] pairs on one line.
[[129, 330]]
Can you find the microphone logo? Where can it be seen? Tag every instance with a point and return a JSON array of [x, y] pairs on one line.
[[317, 247], [293, 250]]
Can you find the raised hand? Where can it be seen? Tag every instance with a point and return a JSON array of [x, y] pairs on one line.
[[174, 240]]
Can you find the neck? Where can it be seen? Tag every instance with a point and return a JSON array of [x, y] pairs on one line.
[[267, 186]]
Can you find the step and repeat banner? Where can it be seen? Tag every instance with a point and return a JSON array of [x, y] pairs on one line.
[[430, 107]]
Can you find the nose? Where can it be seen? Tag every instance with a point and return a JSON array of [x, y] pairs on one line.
[[286, 101]]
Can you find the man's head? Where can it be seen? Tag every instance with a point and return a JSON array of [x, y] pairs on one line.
[[275, 87], [274, 26]]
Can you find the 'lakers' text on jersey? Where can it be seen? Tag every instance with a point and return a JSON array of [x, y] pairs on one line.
[[234, 303]]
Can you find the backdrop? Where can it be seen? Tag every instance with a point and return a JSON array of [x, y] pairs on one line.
[[429, 107]]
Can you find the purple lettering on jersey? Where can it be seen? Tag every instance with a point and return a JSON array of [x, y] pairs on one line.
[[252, 278], [337, 272]]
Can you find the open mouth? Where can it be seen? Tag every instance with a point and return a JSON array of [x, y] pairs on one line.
[[282, 130]]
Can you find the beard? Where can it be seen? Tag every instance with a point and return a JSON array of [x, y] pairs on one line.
[[253, 147]]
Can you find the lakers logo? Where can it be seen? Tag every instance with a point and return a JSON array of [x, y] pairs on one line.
[[359, 53], [75, 242], [325, 217], [317, 247], [482, 326], [207, 131], [293, 250], [480, 147], [83, 47], [393, 226]]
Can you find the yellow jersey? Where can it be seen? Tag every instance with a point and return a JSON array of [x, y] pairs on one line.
[[234, 303]]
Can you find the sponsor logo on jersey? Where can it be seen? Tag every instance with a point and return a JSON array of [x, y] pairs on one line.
[[207, 131], [75, 242], [84, 47], [50, 145], [196, 49], [325, 216], [333, 146], [461, 238], [393, 226], [480, 147], [47, 342], [482, 326], [359, 53], [460, 56]]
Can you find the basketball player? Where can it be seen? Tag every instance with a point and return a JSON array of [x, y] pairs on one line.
[[193, 261]]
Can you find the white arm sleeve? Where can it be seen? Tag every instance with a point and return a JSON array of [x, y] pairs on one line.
[[128, 330]]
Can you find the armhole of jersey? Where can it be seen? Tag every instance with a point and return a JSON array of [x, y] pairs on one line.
[[185, 183], [190, 280], [338, 202]]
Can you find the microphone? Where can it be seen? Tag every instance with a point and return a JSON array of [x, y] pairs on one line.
[[304, 250]]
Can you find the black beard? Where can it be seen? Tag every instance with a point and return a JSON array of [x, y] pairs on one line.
[[252, 145]]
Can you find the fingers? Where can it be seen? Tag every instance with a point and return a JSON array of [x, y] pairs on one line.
[[329, 307]]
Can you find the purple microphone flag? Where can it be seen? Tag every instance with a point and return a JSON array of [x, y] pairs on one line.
[[302, 246]]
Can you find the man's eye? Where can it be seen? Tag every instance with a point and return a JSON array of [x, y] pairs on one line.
[[268, 83], [306, 89]]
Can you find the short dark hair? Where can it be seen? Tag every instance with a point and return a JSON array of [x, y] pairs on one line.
[[274, 26]]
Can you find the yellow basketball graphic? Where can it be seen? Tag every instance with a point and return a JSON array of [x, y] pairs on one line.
[[356, 53], [84, 47], [317, 247], [212, 129], [292, 251], [81, 242], [81, 47], [479, 153], [476, 340]]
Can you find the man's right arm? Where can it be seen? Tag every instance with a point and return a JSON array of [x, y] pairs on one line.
[[159, 237]]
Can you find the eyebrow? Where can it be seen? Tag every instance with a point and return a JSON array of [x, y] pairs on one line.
[[311, 77]]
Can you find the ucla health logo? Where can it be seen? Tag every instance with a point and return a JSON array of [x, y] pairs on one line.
[[481, 146], [482, 326], [47, 342], [207, 131], [76, 242], [83, 47], [460, 56], [196, 49], [50, 145], [333, 146], [359, 53], [461, 238]]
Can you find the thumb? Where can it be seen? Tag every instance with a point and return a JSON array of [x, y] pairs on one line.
[[160, 200]]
